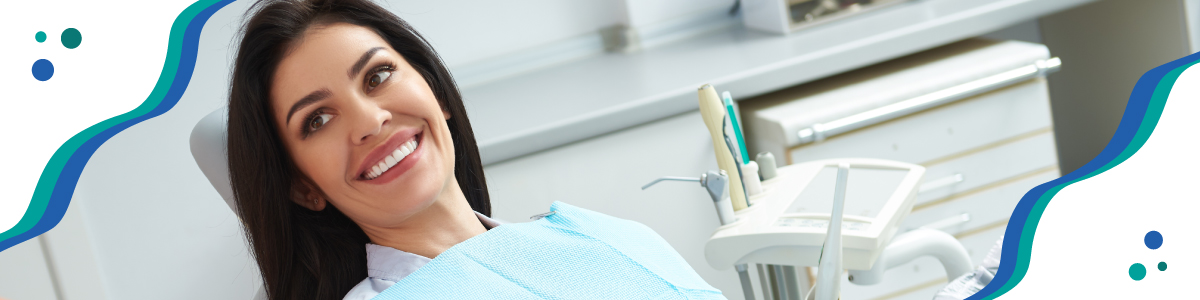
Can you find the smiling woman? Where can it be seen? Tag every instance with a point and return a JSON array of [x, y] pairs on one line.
[[345, 130], [356, 174]]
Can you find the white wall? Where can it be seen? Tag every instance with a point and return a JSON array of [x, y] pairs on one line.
[[472, 31], [648, 13]]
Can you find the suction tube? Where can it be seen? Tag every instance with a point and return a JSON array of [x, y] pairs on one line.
[[829, 275]]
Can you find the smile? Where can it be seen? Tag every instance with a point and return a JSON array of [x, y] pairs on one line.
[[383, 165]]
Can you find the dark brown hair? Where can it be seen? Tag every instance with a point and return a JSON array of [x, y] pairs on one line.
[[303, 253]]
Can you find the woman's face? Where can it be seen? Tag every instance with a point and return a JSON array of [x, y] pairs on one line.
[[362, 125]]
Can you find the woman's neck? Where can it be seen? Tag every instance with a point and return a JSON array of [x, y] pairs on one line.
[[449, 220]]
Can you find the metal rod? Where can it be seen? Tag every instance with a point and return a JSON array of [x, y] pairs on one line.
[[781, 283], [747, 288], [793, 287], [671, 178], [820, 131], [764, 284]]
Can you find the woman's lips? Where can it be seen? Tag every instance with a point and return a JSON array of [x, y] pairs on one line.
[[402, 165], [388, 148], [391, 160]]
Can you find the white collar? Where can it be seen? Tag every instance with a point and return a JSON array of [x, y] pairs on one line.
[[391, 264]]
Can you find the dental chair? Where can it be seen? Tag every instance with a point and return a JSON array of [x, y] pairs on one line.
[[208, 148]]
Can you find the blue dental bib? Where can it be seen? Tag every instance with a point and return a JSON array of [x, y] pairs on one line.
[[571, 254]]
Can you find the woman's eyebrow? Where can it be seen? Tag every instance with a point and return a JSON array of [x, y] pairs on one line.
[[362, 61], [313, 97]]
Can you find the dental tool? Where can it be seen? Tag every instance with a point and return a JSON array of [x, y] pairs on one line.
[[731, 107], [714, 115], [766, 165], [737, 158], [717, 185], [830, 264], [750, 178]]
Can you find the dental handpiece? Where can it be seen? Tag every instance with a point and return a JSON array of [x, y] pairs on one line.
[[717, 185], [713, 113]]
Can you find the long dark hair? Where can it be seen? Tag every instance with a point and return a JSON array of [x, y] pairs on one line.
[[303, 253]]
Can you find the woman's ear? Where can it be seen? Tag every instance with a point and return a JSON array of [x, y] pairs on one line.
[[306, 194], [446, 113]]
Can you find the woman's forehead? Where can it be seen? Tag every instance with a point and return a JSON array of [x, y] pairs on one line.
[[323, 58], [334, 45]]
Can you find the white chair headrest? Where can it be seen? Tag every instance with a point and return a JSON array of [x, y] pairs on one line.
[[208, 148]]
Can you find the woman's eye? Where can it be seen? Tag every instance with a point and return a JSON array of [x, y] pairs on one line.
[[378, 78], [318, 121]]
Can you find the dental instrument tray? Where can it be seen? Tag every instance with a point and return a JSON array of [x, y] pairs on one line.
[[787, 223]]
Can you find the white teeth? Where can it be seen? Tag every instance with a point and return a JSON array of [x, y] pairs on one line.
[[391, 160]]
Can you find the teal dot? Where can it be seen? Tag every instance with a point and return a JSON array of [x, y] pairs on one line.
[[1137, 272], [1162, 266], [40, 36], [71, 38]]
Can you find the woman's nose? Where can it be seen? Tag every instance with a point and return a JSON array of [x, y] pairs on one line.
[[368, 120]]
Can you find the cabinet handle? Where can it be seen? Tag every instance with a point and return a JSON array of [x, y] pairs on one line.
[[940, 183], [949, 222], [820, 131]]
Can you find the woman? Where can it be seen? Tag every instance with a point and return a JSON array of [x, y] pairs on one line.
[[345, 130]]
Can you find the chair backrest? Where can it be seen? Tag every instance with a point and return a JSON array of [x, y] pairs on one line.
[[209, 150]]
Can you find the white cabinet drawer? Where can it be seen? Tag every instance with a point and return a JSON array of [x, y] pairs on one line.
[[983, 208], [923, 277], [980, 167], [957, 127]]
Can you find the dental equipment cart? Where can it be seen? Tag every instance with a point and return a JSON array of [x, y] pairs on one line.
[[823, 214], [975, 114]]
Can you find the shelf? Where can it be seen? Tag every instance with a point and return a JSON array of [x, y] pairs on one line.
[[557, 105]]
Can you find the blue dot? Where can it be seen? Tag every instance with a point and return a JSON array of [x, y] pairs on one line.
[[43, 69], [1154, 240]]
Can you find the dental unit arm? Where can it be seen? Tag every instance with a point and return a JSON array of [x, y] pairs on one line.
[[813, 214], [817, 214]]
